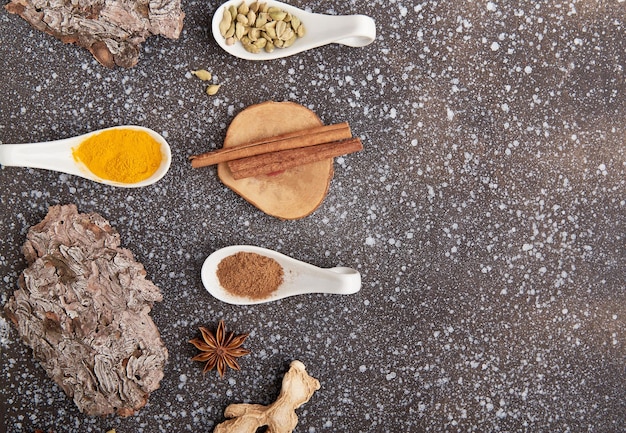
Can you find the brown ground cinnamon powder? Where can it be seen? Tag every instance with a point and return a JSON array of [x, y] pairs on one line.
[[250, 275]]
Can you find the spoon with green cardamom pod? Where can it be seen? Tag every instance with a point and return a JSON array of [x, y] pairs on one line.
[[126, 156], [270, 30], [246, 274]]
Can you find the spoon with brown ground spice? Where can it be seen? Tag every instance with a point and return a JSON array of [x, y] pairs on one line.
[[245, 275]]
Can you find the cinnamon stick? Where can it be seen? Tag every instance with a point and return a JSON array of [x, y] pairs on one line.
[[285, 159], [290, 140]]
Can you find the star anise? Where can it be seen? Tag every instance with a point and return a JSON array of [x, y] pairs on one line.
[[219, 350]]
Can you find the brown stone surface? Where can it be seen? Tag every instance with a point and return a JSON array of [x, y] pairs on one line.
[[487, 215]]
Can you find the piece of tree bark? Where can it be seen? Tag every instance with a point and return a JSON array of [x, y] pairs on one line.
[[83, 306], [112, 30]]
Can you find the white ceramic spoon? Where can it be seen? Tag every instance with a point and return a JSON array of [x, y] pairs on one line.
[[350, 30], [299, 277], [57, 155]]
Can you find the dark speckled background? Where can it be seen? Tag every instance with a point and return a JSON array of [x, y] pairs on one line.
[[486, 215]]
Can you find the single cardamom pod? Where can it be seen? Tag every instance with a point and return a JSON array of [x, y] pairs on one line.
[[261, 20], [212, 89], [254, 34], [271, 32], [233, 11], [287, 34], [289, 42], [203, 74], [281, 26], [300, 32], [295, 23], [240, 31], [252, 48], [231, 31], [251, 18], [243, 8], [225, 23], [278, 16]]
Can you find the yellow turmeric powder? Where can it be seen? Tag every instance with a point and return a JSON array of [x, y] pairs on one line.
[[120, 155]]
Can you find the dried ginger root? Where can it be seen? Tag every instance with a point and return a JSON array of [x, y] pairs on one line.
[[280, 416]]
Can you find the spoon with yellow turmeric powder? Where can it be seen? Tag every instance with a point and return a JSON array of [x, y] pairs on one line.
[[125, 156]]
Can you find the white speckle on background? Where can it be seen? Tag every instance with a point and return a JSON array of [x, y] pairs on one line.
[[182, 381], [4, 332]]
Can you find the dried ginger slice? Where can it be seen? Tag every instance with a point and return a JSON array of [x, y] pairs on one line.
[[294, 193], [83, 306]]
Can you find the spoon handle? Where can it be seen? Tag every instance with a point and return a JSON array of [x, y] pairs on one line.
[[350, 280], [51, 155], [339, 281], [356, 31], [350, 30]]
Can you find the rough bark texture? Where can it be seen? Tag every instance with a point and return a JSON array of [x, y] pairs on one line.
[[112, 30], [83, 306]]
